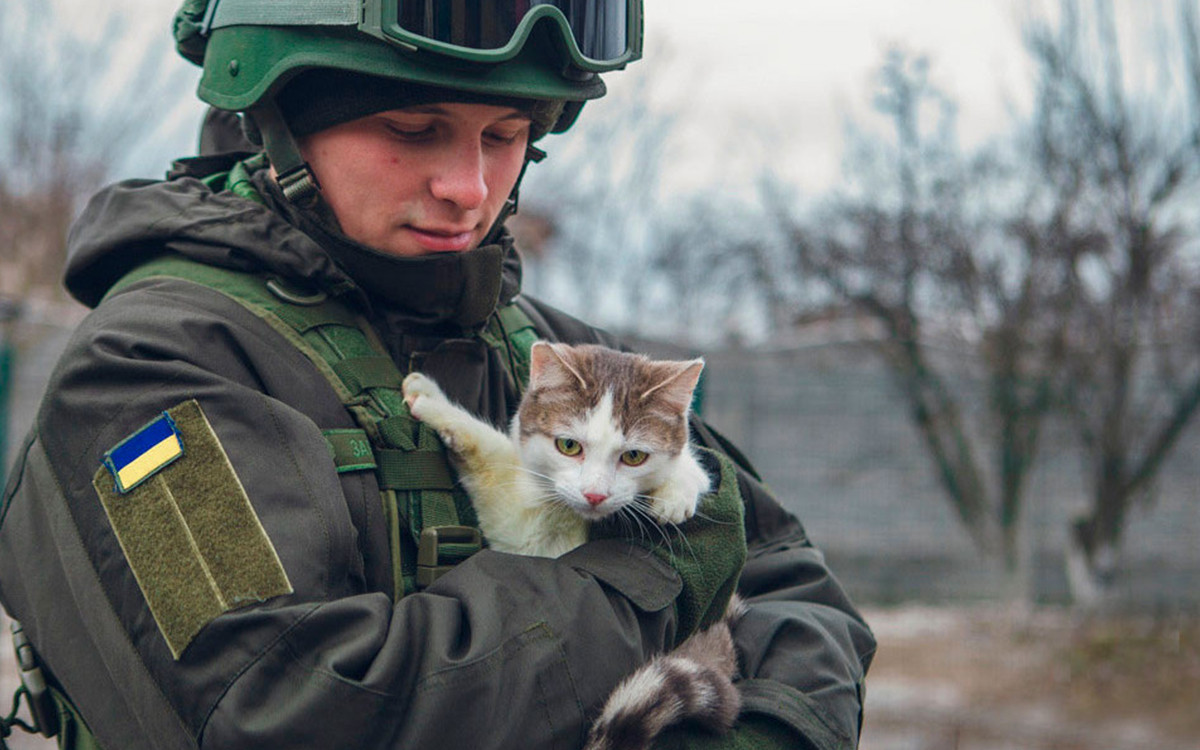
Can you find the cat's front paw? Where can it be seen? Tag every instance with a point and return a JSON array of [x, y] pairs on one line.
[[420, 391], [673, 504]]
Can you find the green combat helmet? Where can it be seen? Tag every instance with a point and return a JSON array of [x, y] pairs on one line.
[[547, 51]]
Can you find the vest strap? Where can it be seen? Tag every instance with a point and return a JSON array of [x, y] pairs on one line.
[[351, 450], [405, 471], [361, 373], [510, 332]]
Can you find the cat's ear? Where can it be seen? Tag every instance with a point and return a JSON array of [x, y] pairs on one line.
[[676, 383], [550, 364]]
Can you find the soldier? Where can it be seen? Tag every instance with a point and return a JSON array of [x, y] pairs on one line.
[[226, 531]]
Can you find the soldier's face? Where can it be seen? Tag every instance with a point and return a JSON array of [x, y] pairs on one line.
[[420, 180]]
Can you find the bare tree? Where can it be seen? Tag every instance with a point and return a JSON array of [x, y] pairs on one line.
[[69, 114], [912, 244], [1063, 266], [598, 190], [1122, 163], [625, 249], [717, 269]]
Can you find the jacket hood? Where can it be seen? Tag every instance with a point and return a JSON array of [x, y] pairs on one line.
[[130, 222]]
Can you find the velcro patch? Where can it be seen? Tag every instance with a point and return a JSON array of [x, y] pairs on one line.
[[187, 528]]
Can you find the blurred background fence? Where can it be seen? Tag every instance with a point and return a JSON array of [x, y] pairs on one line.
[[826, 429]]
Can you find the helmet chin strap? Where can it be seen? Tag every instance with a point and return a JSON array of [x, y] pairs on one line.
[[295, 177], [533, 154]]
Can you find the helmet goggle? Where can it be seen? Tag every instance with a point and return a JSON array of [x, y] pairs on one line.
[[597, 35]]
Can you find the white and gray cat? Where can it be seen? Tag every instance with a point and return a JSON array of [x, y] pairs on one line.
[[597, 432]]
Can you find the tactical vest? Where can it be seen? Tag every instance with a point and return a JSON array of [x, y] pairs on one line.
[[431, 523]]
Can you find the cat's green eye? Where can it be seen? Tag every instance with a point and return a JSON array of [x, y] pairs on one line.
[[634, 458], [568, 447]]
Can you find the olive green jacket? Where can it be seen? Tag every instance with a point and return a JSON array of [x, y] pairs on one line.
[[504, 651]]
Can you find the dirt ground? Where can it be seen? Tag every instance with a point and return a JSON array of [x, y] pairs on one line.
[[993, 678]]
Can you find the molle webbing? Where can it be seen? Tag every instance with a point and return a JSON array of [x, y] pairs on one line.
[[510, 332], [419, 488]]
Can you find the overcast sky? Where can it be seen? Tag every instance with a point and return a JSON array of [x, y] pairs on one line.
[[800, 68], [796, 68], [803, 64]]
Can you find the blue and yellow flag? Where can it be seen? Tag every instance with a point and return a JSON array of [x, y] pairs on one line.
[[139, 456]]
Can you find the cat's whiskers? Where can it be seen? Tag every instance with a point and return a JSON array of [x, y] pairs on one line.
[[554, 498], [633, 516], [536, 474], [521, 486], [550, 494], [629, 523], [640, 510], [715, 520], [645, 506], [542, 481]]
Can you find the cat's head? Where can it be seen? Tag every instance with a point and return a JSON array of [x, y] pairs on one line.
[[604, 427]]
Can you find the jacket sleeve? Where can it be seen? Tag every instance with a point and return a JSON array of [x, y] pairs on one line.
[[335, 663], [804, 648]]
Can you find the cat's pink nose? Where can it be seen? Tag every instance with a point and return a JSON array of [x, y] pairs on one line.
[[594, 498]]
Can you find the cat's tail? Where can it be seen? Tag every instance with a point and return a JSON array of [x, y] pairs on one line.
[[692, 683]]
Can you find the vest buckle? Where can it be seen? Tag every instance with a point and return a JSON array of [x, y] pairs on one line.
[[443, 547], [42, 707]]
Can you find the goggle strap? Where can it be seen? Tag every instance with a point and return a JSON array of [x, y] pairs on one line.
[[274, 13]]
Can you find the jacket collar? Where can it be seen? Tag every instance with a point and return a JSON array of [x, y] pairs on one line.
[[461, 289]]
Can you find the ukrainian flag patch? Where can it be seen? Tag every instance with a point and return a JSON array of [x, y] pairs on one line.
[[141, 455]]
